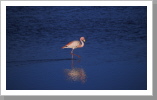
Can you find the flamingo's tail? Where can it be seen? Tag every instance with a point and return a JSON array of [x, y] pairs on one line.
[[63, 47]]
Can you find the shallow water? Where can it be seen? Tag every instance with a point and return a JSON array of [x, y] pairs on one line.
[[114, 56]]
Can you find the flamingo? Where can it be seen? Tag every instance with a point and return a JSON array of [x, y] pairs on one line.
[[75, 44]]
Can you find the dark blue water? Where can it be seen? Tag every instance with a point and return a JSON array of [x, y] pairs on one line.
[[114, 56]]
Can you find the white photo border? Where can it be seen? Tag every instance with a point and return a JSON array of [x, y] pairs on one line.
[[147, 92]]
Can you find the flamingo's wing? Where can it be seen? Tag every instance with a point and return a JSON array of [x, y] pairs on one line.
[[73, 44]]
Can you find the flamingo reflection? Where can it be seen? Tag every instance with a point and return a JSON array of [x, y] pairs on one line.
[[76, 74]]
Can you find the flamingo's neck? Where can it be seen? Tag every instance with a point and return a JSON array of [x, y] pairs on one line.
[[82, 43]]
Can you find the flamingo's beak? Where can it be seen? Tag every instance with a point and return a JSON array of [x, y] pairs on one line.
[[84, 40]]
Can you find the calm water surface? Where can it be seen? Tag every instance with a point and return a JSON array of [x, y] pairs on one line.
[[114, 56]]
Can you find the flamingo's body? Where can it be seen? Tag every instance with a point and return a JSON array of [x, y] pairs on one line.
[[75, 44]]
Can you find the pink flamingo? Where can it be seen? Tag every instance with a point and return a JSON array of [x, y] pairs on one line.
[[74, 45]]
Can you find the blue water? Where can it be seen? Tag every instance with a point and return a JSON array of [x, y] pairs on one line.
[[114, 56]]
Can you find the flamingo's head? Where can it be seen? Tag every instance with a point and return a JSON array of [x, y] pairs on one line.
[[82, 39]]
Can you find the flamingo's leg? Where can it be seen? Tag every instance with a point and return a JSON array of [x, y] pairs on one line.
[[74, 54], [77, 55]]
